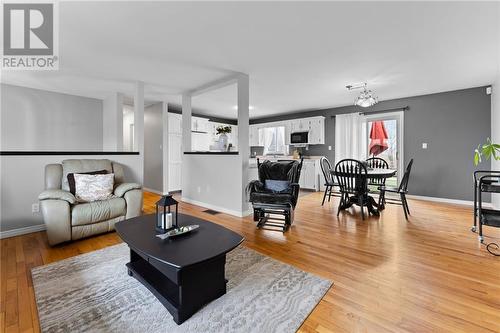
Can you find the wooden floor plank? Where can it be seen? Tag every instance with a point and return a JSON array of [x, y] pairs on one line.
[[428, 274]]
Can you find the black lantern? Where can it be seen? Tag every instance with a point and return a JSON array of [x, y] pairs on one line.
[[166, 218]]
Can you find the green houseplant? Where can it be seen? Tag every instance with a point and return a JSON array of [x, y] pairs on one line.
[[223, 129], [487, 150]]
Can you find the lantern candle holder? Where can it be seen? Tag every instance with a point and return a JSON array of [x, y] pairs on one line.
[[167, 215]]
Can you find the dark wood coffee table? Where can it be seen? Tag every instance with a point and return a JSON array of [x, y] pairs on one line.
[[184, 272]]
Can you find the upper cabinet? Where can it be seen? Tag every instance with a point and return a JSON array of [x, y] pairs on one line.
[[199, 124], [256, 135]]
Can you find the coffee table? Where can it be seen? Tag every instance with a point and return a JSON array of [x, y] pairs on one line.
[[184, 272]]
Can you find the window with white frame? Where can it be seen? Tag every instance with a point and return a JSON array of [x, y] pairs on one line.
[[274, 140]]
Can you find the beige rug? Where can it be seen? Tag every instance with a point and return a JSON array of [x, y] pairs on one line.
[[93, 293]]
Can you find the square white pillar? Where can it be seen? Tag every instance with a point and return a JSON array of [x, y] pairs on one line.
[[112, 123], [186, 122]]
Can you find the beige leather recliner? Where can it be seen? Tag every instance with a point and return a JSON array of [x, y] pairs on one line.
[[67, 219]]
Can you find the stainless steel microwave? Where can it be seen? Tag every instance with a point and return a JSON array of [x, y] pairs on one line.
[[299, 137]]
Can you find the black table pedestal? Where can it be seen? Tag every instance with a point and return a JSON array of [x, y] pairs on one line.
[[182, 291], [371, 204]]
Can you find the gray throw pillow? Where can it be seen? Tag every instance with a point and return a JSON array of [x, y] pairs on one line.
[[277, 186]]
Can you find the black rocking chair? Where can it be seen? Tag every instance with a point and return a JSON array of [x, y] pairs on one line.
[[402, 190], [267, 201]]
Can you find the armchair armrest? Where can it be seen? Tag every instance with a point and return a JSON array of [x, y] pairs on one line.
[[58, 195], [123, 188], [295, 189]]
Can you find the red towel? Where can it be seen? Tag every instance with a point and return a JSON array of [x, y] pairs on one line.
[[378, 138]]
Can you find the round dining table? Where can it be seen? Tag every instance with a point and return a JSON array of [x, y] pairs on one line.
[[372, 205]]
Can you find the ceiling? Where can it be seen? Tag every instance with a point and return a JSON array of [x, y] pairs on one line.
[[299, 55]]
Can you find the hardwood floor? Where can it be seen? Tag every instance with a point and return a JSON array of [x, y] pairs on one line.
[[428, 274]]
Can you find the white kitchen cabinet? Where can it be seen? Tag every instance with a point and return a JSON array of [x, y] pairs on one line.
[[199, 124], [288, 131], [317, 131], [174, 123], [309, 175], [256, 136]]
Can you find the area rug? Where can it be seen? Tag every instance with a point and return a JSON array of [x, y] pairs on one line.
[[93, 293]]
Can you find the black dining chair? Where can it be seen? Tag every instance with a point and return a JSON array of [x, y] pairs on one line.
[[330, 184], [402, 190], [352, 180], [376, 163]]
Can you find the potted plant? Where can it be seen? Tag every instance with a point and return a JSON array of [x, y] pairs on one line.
[[222, 132], [487, 150]]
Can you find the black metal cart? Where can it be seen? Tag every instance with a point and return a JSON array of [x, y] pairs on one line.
[[485, 182]]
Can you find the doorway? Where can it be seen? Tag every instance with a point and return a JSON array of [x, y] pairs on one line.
[[393, 123]]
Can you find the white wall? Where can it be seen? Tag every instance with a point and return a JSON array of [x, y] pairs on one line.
[[112, 123], [153, 152], [214, 181], [35, 119], [22, 180], [495, 111]]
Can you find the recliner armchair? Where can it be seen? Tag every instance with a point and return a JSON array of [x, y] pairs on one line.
[[266, 201], [67, 219]]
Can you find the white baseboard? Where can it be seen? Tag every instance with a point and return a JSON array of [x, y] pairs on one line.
[[217, 208], [22, 231], [446, 200], [147, 189]]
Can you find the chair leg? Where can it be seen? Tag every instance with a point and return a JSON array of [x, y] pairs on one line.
[[406, 204], [403, 204], [324, 196], [381, 198], [341, 201], [330, 193]]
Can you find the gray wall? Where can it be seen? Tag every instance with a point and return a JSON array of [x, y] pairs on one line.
[[452, 123], [153, 154], [35, 119]]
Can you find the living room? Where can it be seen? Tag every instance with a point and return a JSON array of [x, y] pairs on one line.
[[269, 167]]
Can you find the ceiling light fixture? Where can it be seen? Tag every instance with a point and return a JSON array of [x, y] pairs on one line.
[[365, 98]]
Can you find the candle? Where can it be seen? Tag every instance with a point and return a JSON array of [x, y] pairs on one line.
[[167, 221]]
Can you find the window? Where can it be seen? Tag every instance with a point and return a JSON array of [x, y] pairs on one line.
[[274, 140]]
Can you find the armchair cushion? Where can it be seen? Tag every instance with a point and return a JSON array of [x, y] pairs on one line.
[[123, 188], [277, 186], [272, 198], [57, 195], [71, 178], [97, 211]]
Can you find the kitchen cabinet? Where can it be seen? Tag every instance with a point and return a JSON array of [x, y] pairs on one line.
[[256, 136], [309, 175], [199, 124], [315, 126]]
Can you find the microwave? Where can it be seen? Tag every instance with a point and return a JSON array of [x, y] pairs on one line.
[[299, 138]]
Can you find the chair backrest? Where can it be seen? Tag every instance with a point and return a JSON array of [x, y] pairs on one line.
[[406, 177], [56, 175], [282, 170], [351, 176], [326, 168], [377, 163]]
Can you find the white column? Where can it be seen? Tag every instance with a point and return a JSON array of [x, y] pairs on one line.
[[186, 122], [139, 124], [112, 123], [243, 134], [165, 146]]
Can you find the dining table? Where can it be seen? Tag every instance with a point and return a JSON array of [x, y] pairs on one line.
[[373, 207]]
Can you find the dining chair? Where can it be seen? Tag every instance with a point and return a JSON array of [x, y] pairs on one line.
[[402, 190], [326, 168], [352, 180], [376, 163]]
